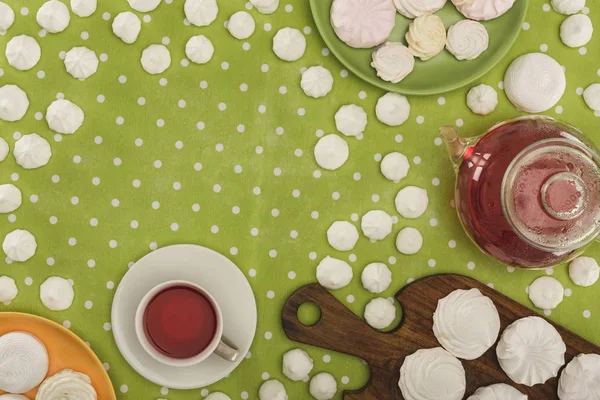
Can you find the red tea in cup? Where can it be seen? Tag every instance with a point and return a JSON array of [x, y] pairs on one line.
[[180, 322]]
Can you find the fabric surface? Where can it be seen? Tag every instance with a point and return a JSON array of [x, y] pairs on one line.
[[221, 155]]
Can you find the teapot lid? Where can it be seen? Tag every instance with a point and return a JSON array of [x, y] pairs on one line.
[[551, 194]]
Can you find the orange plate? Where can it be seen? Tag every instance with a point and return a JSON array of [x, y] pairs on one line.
[[65, 350]]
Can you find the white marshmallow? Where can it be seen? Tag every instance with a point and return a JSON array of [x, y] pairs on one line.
[[8, 289], [53, 16], [467, 39], [32, 151], [342, 235], [534, 82], [380, 313], [23, 52], [323, 386], [19, 245], [10, 198], [412, 202], [57, 293], [64, 117], [376, 224], [23, 362], [466, 323], [84, 8], [363, 23], [7, 17], [199, 49], [289, 44], [217, 396], [331, 152], [409, 241], [394, 166], [272, 390], [568, 7], [156, 58], [67, 384], [579, 380], [333, 273], [426, 36], [576, 30], [393, 62], [265, 6], [81, 62], [482, 99], [415, 8], [127, 27], [376, 277], [432, 374], [392, 109], [316, 82], [498, 391], [144, 5], [297, 365], [241, 25], [351, 120], [4, 149], [584, 271], [591, 96], [546, 293], [531, 351], [13, 103], [9, 396], [483, 10], [201, 12]]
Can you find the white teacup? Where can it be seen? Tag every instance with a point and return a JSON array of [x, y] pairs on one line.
[[216, 345]]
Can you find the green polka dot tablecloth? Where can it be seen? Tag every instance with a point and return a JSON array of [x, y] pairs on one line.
[[221, 155]]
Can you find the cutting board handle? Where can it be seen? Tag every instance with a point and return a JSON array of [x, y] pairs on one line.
[[338, 329]]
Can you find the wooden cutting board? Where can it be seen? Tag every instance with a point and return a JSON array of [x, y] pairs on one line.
[[340, 330]]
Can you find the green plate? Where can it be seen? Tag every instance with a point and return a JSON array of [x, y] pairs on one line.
[[440, 74]]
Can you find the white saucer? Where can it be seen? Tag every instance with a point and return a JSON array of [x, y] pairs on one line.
[[207, 268]]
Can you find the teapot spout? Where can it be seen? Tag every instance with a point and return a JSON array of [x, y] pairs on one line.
[[454, 144]]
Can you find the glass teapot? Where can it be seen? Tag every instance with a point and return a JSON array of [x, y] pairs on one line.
[[528, 190]]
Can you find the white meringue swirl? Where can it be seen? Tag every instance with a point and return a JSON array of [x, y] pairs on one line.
[[568, 7], [393, 62], [467, 40], [498, 391], [64, 116], [265, 6], [23, 362], [482, 99], [11, 198], [32, 151], [19, 245], [580, 380], [432, 374], [316, 81], [67, 384], [13, 103], [535, 82], [483, 10], [531, 351], [7, 17], [466, 323], [415, 8], [81, 62], [426, 36], [23, 52]]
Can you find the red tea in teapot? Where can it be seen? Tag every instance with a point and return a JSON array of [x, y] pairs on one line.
[[528, 191]]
